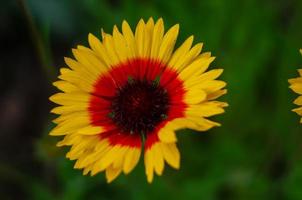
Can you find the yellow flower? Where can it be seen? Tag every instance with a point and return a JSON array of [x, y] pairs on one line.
[[131, 92], [296, 86]]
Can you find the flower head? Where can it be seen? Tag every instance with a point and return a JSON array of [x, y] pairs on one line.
[[296, 86], [129, 93]]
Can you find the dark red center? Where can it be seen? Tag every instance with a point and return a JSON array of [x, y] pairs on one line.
[[139, 106], [131, 101]]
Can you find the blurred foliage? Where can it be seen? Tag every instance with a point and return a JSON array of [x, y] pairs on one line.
[[256, 154]]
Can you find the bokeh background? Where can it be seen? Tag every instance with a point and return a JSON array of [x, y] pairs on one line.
[[256, 154]]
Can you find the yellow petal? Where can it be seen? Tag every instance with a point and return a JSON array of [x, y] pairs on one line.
[[99, 49], [148, 38], [109, 47], [120, 45], [70, 126], [158, 159], [129, 37], [157, 37], [79, 107], [189, 57], [167, 133], [171, 154], [298, 101], [206, 109], [80, 80], [167, 45], [140, 38], [195, 96], [212, 86], [295, 80], [119, 161], [109, 157], [65, 86], [70, 98], [97, 166], [69, 140], [180, 52], [96, 154], [298, 110], [112, 173], [131, 159], [149, 165], [216, 94], [211, 75], [197, 67], [297, 87], [90, 130]]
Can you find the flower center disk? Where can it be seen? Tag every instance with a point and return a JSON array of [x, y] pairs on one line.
[[139, 106]]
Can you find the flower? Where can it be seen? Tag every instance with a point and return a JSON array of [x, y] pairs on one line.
[[129, 93], [296, 86]]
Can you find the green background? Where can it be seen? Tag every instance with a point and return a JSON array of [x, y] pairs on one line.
[[256, 154]]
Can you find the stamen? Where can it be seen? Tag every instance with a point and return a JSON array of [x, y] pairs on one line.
[[156, 80], [130, 80], [139, 106]]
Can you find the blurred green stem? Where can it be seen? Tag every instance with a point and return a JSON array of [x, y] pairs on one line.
[[44, 56]]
